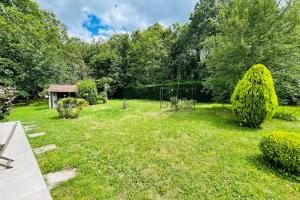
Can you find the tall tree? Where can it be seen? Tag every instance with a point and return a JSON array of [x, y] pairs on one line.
[[106, 66], [250, 32], [74, 60], [148, 55], [35, 50], [189, 46], [121, 43]]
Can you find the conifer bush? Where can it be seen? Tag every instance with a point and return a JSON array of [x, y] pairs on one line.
[[254, 99]]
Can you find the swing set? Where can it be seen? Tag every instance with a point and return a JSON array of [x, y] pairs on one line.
[[185, 94]]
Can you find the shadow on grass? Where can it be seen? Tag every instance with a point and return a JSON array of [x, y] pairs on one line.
[[222, 117], [41, 108], [33, 103], [261, 164], [216, 116], [56, 117]]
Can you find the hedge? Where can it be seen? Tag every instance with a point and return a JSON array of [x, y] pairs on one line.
[[282, 149], [152, 92]]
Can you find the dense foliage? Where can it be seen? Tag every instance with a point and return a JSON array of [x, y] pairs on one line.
[[255, 31], [282, 149], [176, 104], [70, 108], [222, 40], [7, 96], [35, 49], [254, 98], [181, 90], [87, 90], [148, 54], [285, 116], [188, 49]]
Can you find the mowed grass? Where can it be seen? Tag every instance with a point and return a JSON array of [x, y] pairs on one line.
[[145, 153]]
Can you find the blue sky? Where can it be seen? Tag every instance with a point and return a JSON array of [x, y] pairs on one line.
[[94, 24], [92, 19]]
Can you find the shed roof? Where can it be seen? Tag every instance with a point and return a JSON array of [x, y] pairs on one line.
[[63, 88]]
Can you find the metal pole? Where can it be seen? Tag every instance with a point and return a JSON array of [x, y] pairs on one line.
[[160, 96]]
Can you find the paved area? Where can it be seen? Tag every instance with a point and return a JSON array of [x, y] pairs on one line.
[[24, 181]]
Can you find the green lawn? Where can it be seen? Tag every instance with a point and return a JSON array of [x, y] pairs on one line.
[[145, 153]]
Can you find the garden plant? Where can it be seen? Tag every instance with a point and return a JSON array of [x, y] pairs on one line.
[[283, 149], [254, 99], [7, 96], [87, 90], [285, 116], [70, 108]]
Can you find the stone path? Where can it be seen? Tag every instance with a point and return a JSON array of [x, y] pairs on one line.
[[33, 135], [43, 149], [30, 127], [28, 123], [24, 181], [55, 178]]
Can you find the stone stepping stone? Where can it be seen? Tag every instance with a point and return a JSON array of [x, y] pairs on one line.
[[30, 127], [33, 135], [43, 149], [28, 123], [54, 178]]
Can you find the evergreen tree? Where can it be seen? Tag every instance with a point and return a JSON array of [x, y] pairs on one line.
[[254, 99]]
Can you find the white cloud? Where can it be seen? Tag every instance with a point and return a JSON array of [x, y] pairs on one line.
[[119, 14]]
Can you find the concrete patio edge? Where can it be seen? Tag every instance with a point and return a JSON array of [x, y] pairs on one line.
[[25, 180]]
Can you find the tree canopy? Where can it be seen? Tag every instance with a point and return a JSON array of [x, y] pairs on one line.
[[250, 32], [222, 40], [35, 49]]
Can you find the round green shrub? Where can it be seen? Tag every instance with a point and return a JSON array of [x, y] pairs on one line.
[[254, 98], [70, 108], [87, 90], [282, 149]]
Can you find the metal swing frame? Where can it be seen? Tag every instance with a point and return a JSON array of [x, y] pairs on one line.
[[177, 89]]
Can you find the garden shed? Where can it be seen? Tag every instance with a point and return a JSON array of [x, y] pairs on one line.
[[57, 92]]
